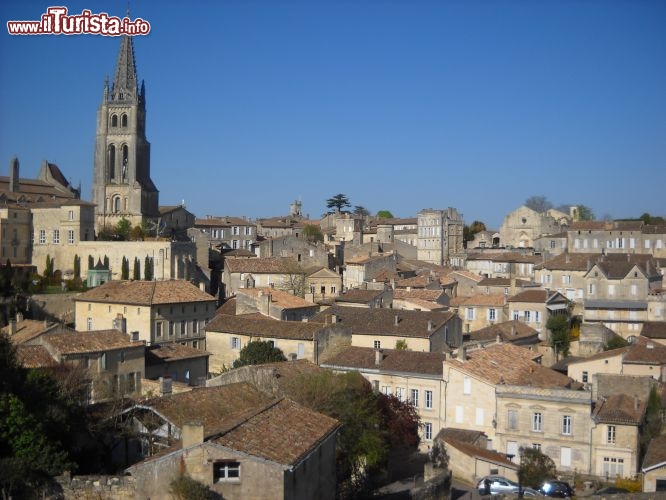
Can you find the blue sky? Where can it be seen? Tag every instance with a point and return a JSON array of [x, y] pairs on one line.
[[400, 105]]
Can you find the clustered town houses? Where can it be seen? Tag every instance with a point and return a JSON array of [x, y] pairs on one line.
[[459, 331]]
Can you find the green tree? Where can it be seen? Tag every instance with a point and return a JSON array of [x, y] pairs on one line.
[[137, 233], [384, 214], [259, 352], [401, 345], [124, 269], [652, 220], [313, 233], [653, 421], [184, 487], [136, 271], [91, 261], [471, 230], [338, 202], [615, 342], [584, 213], [106, 262], [535, 467], [148, 269], [538, 203], [123, 229], [77, 266], [559, 333], [48, 270]]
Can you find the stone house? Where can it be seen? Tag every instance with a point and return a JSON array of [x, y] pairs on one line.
[[502, 286], [491, 264], [274, 303], [623, 237], [15, 234], [181, 363], [362, 269], [534, 307], [227, 335], [229, 232], [174, 221], [307, 253], [279, 272], [655, 331], [275, 449], [162, 312], [514, 332], [440, 237], [480, 310], [323, 284], [616, 436], [392, 230], [522, 226], [656, 305], [617, 289], [566, 274], [276, 227], [551, 244], [654, 466], [484, 239], [23, 331], [409, 375], [365, 298], [383, 328], [467, 282], [504, 392]]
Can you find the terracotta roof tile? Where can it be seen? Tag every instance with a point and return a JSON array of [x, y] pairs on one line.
[[509, 331], [29, 329], [535, 296], [263, 265], [91, 342], [420, 293], [655, 454], [158, 354], [428, 363], [570, 262], [480, 299], [34, 356], [619, 409], [476, 451], [242, 325], [280, 298], [229, 307], [146, 293], [222, 222], [467, 274], [645, 351], [617, 266], [359, 296], [654, 329]]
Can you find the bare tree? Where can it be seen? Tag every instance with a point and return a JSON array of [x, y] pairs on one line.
[[538, 203]]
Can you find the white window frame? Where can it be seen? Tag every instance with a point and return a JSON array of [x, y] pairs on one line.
[[537, 421], [42, 237], [428, 400], [427, 431], [567, 425], [56, 236], [227, 471], [611, 434], [70, 236], [467, 385], [414, 397]]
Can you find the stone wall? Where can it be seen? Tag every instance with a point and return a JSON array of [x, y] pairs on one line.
[[55, 307], [97, 487]]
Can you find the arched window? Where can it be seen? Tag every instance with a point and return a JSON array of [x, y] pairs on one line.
[[111, 162], [114, 120], [123, 121], [116, 205]]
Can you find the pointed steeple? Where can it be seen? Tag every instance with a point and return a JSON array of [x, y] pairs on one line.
[[125, 86]]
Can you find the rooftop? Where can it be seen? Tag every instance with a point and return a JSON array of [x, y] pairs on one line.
[[91, 342], [146, 293], [619, 409], [391, 360], [264, 328]]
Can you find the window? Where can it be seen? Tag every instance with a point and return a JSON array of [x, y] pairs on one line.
[[42, 237], [566, 279], [131, 382], [536, 446], [470, 313], [102, 361], [613, 466], [158, 329], [492, 314], [610, 434], [70, 236], [377, 344], [332, 288], [414, 398], [537, 421], [235, 230], [234, 244], [70, 215], [552, 243], [528, 316], [183, 327], [226, 471], [400, 393], [647, 244], [634, 289], [428, 400], [565, 457], [516, 315], [248, 231], [56, 236], [566, 425], [584, 376], [590, 289], [467, 385], [479, 416], [122, 356], [195, 326], [235, 343], [427, 431], [611, 289], [512, 419], [171, 329], [386, 390], [89, 324], [460, 414]]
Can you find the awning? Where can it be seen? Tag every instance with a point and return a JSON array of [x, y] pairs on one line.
[[556, 307]]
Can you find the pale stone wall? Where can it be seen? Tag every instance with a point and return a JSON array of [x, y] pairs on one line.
[[611, 364], [172, 260], [650, 478], [626, 448], [522, 226], [15, 235], [520, 309], [473, 469], [389, 341], [481, 316], [571, 284]]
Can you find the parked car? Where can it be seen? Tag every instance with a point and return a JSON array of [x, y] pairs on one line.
[[531, 492], [497, 485], [558, 489], [611, 490]]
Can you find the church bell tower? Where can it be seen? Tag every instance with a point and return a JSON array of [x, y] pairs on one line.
[[122, 187]]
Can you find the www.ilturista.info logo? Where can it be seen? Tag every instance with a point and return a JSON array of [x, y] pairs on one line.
[[56, 22]]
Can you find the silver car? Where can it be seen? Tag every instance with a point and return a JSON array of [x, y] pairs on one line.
[[497, 485]]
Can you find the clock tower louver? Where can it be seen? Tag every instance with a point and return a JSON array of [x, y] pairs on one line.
[[122, 187]]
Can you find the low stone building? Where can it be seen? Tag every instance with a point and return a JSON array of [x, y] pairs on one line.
[[181, 363], [654, 466], [274, 303]]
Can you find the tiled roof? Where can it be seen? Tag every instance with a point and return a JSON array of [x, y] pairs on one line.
[[423, 305], [462, 435], [504, 257], [359, 296], [655, 454], [265, 328], [279, 265], [34, 356], [617, 266], [28, 329], [33, 190], [229, 307], [158, 354], [476, 451], [603, 355], [209, 405], [90, 342], [145, 293], [539, 296], [503, 282], [512, 365], [509, 331], [467, 274], [283, 432], [647, 352], [480, 299], [420, 281], [280, 298], [428, 363], [619, 409], [570, 262], [654, 229], [419, 293], [383, 321], [654, 329], [364, 259]]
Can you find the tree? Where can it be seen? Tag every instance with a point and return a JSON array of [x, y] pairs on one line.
[[584, 213], [259, 352], [136, 271], [400, 420], [615, 342], [91, 261], [401, 345], [361, 211], [469, 231], [384, 214], [313, 233], [338, 202], [123, 229], [106, 262], [653, 421], [137, 233], [148, 269], [77, 266], [559, 333], [48, 270], [535, 467], [538, 203], [124, 269], [184, 487], [649, 219]]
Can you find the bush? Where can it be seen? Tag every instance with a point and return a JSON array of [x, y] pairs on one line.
[[186, 488]]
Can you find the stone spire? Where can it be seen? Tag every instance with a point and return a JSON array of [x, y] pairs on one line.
[[125, 86]]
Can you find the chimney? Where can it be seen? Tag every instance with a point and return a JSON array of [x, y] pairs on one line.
[[334, 319], [589, 264], [513, 286], [498, 339], [462, 353], [202, 286], [12, 327], [397, 320], [430, 325], [165, 385], [379, 356], [635, 402], [120, 323], [192, 434], [14, 175]]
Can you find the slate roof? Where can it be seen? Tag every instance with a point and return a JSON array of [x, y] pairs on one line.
[[655, 456], [358, 296], [425, 363], [480, 299], [159, 354], [509, 331], [654, 329], [511, 365], [619, 409], [380, 321], [258, 265], [283, 432], [34, 356], [91, 342], [145, 293], [241, 325]]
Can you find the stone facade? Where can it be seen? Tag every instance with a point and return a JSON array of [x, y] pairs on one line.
[[617, 237], [15, 234], [523, 226], [440, 237]]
